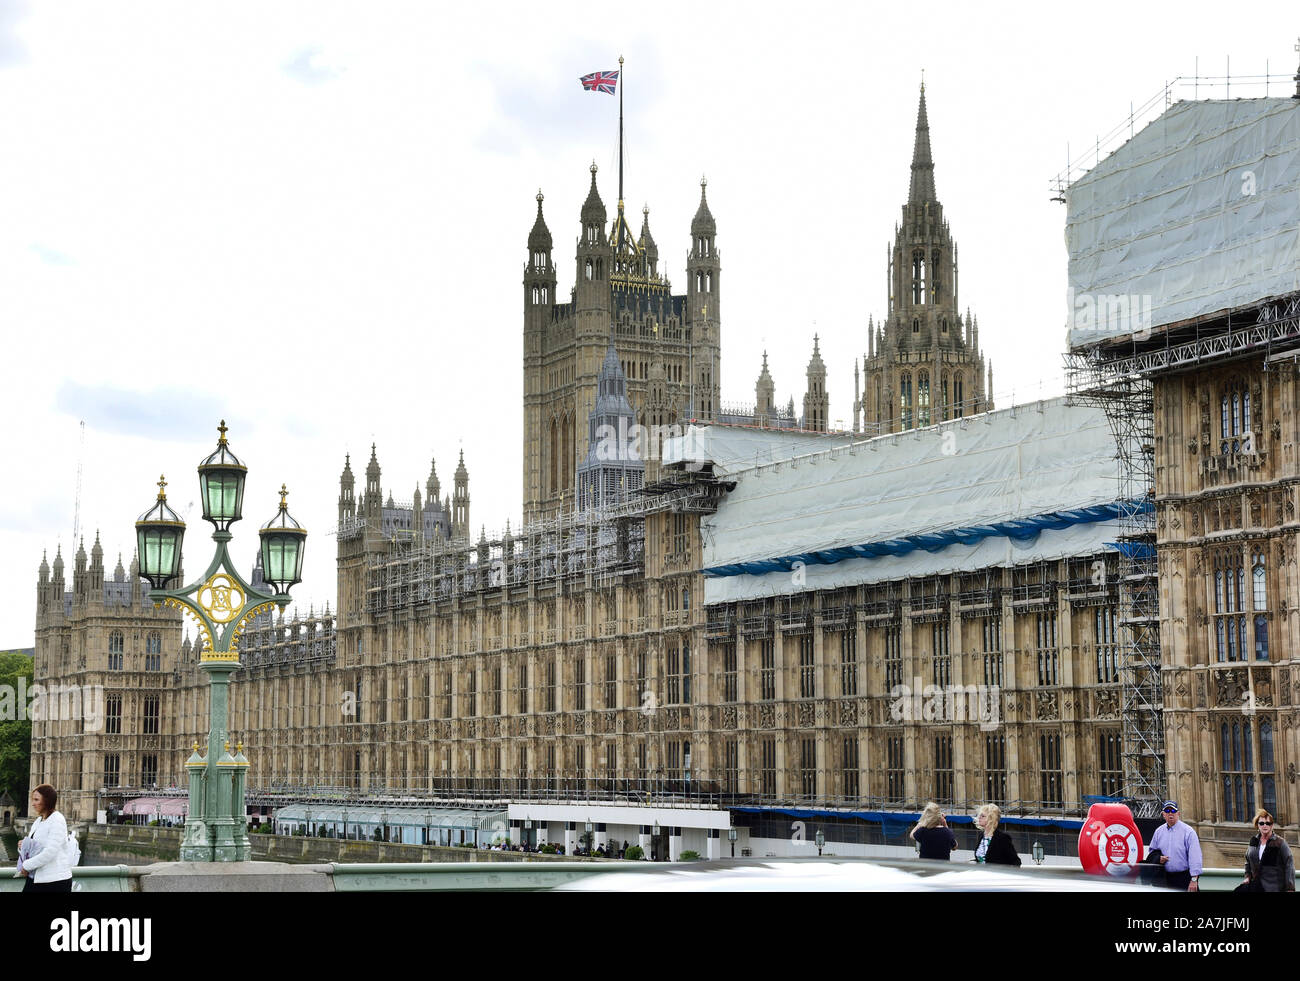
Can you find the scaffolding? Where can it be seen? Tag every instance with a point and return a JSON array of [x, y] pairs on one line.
[[597, 547], [1127, 400]]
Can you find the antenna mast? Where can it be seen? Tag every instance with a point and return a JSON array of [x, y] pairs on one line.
[[81, 457]]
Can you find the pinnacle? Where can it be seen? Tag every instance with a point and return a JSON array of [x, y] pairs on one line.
[[922, 185]]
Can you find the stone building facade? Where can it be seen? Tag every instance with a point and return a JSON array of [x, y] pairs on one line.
[[114, 658], [1227, 474]]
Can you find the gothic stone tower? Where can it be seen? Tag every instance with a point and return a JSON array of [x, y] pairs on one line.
[[668, 344], [923, 365]]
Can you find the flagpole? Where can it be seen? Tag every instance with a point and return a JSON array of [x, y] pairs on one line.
[[620, 131]]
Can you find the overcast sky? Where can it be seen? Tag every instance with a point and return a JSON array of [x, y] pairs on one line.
[[310, 219]]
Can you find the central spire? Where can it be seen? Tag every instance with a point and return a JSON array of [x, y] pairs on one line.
[[922, 187]]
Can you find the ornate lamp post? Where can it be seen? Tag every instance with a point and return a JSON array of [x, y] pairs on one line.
[[221, 602]]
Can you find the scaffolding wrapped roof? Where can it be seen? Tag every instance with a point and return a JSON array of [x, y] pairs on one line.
[[1032, 483], [732, 448], [1199, 213]]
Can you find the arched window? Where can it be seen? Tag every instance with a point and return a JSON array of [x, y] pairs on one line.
[[537, 294], [944, 393], [1259, 595], [923, 398], [545, 295], [916, 325], [699, 282], [905, 400], [555, 456], [918, 279], [1234, 420], [934, 282], [958, 396], [116, 644], [708, 282], [591, 269]]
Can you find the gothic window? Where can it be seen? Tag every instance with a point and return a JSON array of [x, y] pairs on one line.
[[941, 666], [848, 662], [1228, 588], [943, 771], [1242, 779], [995, 767], [905, 399], [992, 633], [923, 398], [807, 668], [1048, 655], [1259, 590], [1049, 761], [1234, 419], [699, 282], [115, 645], [934, 282], [537, 294], [600, 268], [944, 393], [1110, 765], [153, 651], [944, 324], [894, 782], [916, 325], [893, 658], [591, 269], [1107, 644], [591, 235], [958, 396], [918, 279]]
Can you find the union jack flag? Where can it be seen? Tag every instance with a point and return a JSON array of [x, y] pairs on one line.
[[600, 82]]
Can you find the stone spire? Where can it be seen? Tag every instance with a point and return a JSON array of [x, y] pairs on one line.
[[816, 403], [119, 574], [647, 241], [460, 500], [703, 223], [922, 187], [432, 487], [539, 239], [593, 209]]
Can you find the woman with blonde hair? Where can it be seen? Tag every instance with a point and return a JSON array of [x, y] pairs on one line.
[[995, 847], [933, 834], [1269, 865]]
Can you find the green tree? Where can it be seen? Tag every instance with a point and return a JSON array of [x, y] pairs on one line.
[[15, 735]]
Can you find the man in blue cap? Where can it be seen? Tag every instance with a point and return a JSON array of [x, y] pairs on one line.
[[1180, 850]]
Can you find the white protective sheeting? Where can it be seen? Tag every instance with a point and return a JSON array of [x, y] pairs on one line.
[[1196, 214], [1009, 465], [732, 448]]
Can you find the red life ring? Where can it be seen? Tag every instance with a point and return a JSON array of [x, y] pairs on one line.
[[1109, 842]]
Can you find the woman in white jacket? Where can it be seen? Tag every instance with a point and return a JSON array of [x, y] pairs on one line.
[[47, 870]]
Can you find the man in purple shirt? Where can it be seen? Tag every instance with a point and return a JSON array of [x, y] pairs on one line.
[[1180, 850]]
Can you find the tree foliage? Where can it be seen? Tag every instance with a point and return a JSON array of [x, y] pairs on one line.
[[15, 735]]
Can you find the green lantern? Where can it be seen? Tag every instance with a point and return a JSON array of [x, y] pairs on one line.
[[159, 533], [221, 484], [283, 543]]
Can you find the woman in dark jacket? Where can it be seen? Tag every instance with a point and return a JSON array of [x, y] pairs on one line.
[[933, 834], [1269, 864], [995, 847]]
